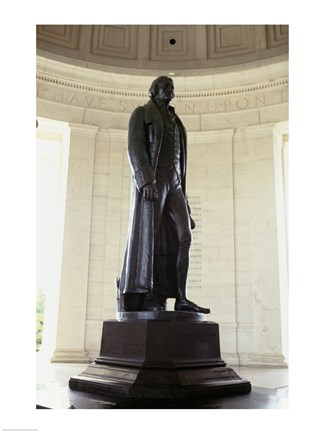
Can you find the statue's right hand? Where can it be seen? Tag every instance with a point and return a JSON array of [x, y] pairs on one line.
[[150, 192]]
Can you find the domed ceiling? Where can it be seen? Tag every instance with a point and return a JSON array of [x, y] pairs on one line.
[[174, 48]]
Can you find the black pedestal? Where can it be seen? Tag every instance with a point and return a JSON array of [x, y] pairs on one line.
[[174, 356]]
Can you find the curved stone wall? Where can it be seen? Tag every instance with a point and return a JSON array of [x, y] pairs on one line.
[[237, 126]]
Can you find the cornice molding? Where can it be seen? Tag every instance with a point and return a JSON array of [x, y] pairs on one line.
[[235, 91]]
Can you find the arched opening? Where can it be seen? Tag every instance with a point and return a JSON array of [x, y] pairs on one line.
[[52, 162]]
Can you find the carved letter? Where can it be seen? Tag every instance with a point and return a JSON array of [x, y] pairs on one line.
[[190, 109], [122, 104], [86, 98], [228, 103], [75, 100], [243, 105], [259, 100], [213, 108]]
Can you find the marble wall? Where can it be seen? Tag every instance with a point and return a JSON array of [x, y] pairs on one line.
[[237, 124]]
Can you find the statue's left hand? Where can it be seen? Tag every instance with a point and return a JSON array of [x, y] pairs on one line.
[[192, 223], [150, 192]]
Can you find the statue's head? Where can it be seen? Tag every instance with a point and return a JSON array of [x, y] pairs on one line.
[[162, 88]]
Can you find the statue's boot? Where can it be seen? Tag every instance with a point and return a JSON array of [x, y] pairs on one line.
[[186, 305], [151, 303], [182, 303]]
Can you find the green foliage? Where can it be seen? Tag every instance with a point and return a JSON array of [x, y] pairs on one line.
[[40, 303]]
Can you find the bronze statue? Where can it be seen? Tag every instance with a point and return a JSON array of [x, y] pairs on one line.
[[159, 236]]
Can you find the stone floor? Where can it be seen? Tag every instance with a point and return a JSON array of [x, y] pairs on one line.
[[270, 390]]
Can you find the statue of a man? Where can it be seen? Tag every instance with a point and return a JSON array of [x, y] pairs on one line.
[[159, 236]]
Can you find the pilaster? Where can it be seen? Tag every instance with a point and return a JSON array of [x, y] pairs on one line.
[[265, 247], [70, 341]]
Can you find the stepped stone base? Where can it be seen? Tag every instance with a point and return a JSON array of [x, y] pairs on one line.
[[176, 356]]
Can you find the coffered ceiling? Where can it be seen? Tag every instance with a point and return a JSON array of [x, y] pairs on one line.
[[162, 47]]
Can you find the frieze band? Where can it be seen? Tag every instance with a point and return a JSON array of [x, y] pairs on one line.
[[206, 103]]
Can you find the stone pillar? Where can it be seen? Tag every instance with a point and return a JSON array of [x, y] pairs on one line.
[[243, 248], [265, 248], [70, 341], [280, 153]]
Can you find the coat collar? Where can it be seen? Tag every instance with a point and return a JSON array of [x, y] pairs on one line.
[[152, 112]]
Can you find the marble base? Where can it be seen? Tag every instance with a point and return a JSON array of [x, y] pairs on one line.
[[160, 359], [160, 315], [72, 356], [272, 360]]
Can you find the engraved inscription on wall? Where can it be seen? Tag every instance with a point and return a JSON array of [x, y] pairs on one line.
[[195, 267], [116, 102]]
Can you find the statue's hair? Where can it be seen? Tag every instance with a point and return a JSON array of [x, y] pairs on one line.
[[156, 84]]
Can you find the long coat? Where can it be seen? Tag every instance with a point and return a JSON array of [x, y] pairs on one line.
[[144, 142]]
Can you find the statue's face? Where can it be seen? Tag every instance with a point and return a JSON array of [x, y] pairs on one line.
[[166, 90]]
